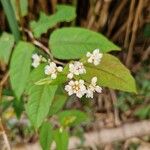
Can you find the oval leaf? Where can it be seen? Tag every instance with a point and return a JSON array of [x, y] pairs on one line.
[[20, 67], [111, 73], [6, 45], [39, 102], [73, 43]]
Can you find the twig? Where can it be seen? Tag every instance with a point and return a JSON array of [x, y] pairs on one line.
[[4, 79], [2, 131], [116, 111], [134, 31], [104, 14], [43, 47]]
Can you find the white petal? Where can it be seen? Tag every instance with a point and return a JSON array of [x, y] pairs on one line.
[[96, 62], [96, 51], [94, 80], [81, 81], [79, 94], [52, 64], [90, 60], [35, 64], [98, 89], [71, 83], [100, 55], [89, 93], [59, 69], [88, 54], [53, 76], [70, 76]]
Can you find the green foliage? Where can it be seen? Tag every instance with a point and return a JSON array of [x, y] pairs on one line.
[[6, 45], [61, 138], [110, 73], [147, 30], [63, 13], [58, 103], [23, 7], [40, 99], [74, 43], [20, 67], [143, 113], [35, 75], [18, 107], [72, 117], [61, 78], [11, 18], [46, 135]]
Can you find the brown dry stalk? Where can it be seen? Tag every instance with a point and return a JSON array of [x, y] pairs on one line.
[[43, 47], [53, 3], [93, 17], [115, 16], [130, 18], [2, 131], [103, 14], [134, 31], [119, 32], [116, 111], [4, 136]]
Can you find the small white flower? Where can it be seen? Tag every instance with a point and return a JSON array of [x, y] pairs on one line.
[[94, 57], [76, 68], [76, 87], [93, 88], [52, 70], [36, 60]]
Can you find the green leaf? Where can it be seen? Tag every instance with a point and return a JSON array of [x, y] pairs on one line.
[[6, 45], [143, 113], [18, 107], [8, 9], [58, 103], [74, 43], [63, 13], [46, 135], [61, 78], [23, 7], [110, 73], [72, 117], [20, 66], [39, 102], [61, 138], [35, 75]]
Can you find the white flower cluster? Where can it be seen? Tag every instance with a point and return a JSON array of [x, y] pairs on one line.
[[36, 60], [50, 69], [76, 68], [95, 57], [78, 87]]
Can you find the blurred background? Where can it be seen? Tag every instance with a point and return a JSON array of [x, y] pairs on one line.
[[127, 24]]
